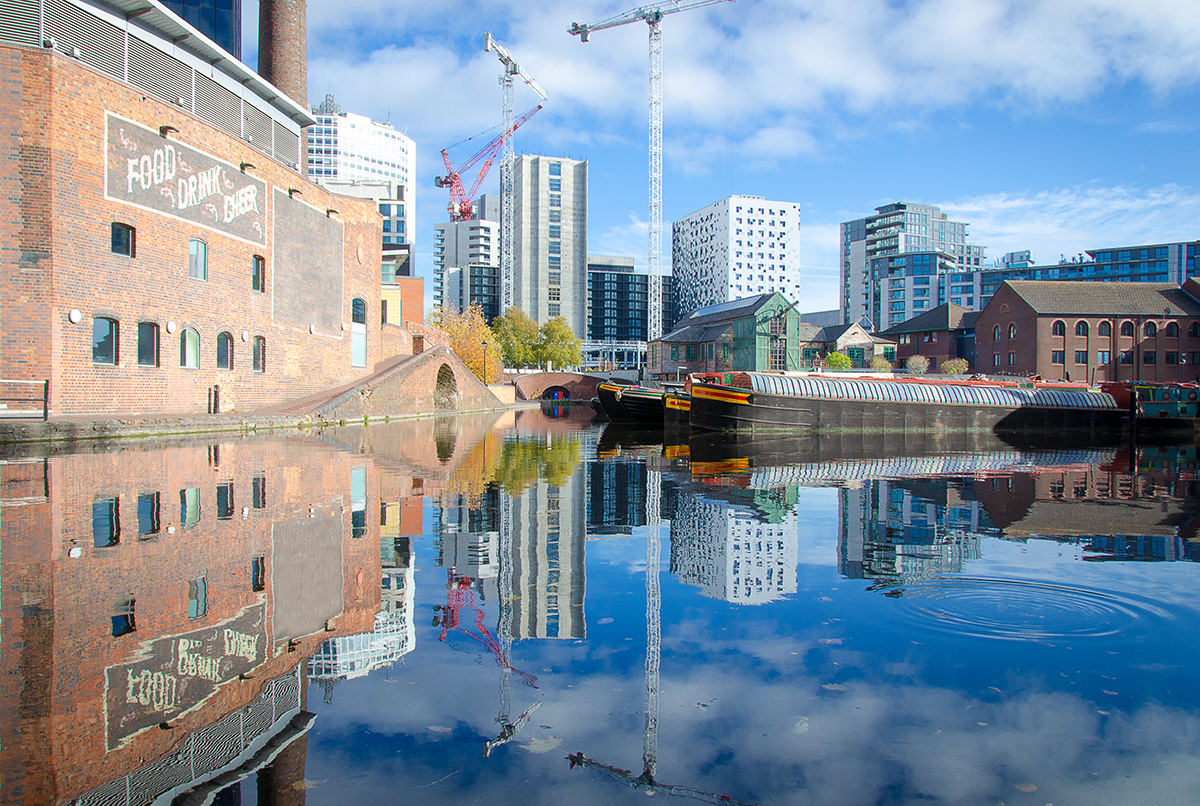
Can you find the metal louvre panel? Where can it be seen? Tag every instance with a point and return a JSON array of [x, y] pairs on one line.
[[20, 22], [159, 74], [218, 105], [287, 146], [101, 44], [256, 128]]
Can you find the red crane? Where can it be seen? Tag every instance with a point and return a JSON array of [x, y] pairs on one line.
[[460, 199]]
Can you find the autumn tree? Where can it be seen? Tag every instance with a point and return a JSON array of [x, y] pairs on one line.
[[470, 339], [557, 344], [955, 366], [516, 334]]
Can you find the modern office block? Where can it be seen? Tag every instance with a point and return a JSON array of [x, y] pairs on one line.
[[466, 260], [219, 20]]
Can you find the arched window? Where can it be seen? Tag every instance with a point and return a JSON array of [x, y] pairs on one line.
[[260, 354], [1105, 329], [224, 351], [1149, 329], [1194, 330], [1172, 330], [996, 333], [1012, 331], [358, 333], [358, 311], [189, 348], [1059, 329], [1081, 328], [1127, 328]]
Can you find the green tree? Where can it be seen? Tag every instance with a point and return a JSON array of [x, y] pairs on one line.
[[517, 337], [557, 345], [955, 366], [838, 361]]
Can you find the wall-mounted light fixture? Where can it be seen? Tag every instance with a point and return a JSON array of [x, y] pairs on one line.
[[165, 129], [294, 192], [246, 165], [331, 212]]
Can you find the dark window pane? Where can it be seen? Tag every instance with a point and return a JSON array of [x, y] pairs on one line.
[[225, 501], [224, 351], [147, 344], [123, 239], [148, 513], [104, 341], [106, 522]]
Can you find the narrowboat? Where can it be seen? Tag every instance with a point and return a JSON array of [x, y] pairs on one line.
[[608, 404], [756, 401], [1158, 407], [644, 405]]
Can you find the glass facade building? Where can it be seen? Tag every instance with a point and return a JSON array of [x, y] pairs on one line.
[[219, 20]]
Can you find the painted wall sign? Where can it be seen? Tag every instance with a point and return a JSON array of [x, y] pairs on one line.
[[177, 673], [166, 176]]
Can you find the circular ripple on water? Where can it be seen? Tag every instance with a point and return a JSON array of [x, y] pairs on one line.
[[1021, 610]]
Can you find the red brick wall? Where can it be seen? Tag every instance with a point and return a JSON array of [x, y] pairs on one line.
[[56, 206]]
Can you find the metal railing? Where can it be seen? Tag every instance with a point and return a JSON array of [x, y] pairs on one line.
[[30, 398]]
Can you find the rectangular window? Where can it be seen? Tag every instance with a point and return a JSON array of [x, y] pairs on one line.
[[122, 618], [148, 514], [555, 230], [258, 574], [260, 354], [556, 169], [106, 522], [995, 359], [1103, 357], [1171, 357], [1012, 359], [1127, 356], [1194, 358], [124, 240], [1081, 356], [555, 216], [258, 492], [725, 351], [197, 259], [147, 344], [1149, 357], [674, 352], [104, 340], [225, 501], [554, 309], [556, 185], [555, 248], [189, 506], [555, 200], [197, 597], [258, 273], [691, 352]]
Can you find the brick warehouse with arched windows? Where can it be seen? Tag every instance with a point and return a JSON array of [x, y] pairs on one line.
[[160, 248]]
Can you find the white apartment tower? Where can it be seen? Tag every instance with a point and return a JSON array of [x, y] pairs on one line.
[[737, 247], [347, 148], [550, 239], [874, 266]]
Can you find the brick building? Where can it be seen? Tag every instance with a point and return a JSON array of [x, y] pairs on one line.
[[160, 248], [167, 586], [1090, 331], [946, 332]]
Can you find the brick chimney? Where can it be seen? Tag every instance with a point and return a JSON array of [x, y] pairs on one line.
[[283, 48]]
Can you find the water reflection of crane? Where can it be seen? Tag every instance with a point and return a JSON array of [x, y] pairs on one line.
[[646, 781], [460, 594]]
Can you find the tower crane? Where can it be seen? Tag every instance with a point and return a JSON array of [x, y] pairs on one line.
[[507, 160], [652, 15], [460, 199]]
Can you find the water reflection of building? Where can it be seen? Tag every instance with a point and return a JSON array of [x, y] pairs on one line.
[[616, 497], [548, 540], [149, 593], [897, 532], [731, 553]]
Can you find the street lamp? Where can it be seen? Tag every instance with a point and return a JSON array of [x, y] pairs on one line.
[[485, 372], [679, 373]]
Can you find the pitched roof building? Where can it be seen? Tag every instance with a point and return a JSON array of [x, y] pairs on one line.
[[1092, 331], [946, 332]]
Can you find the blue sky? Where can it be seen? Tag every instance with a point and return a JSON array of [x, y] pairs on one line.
[[1056, 125]]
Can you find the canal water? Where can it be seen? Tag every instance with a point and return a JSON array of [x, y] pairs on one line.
[[535, 608]]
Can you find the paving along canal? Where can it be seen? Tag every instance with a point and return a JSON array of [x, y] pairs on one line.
[[458, 610]]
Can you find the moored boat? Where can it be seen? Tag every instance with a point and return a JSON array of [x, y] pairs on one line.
[[644, 405], [606, 394], [757, 401]]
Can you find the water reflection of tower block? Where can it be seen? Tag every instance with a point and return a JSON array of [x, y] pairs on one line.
[[471, 554]]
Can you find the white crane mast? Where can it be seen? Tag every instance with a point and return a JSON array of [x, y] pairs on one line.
[[652, 15], [507, 164]]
